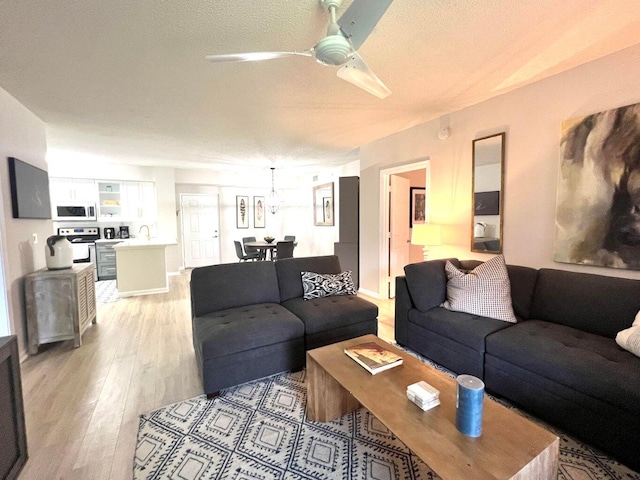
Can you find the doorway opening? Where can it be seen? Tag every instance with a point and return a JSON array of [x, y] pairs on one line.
[[396, 186]]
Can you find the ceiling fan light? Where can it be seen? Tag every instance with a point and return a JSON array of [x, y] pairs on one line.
[[333, 50]]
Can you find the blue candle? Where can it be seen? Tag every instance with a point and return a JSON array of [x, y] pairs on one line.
[[469, 405]]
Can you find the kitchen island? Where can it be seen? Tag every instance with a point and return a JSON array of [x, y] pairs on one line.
[[141, 266]]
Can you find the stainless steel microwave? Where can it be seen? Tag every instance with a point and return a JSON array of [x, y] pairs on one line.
[[69, 211]]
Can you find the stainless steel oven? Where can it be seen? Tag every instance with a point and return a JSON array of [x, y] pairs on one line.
[[83, 242]]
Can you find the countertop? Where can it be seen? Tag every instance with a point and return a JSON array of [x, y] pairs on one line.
[[141, 242], [109, 241]]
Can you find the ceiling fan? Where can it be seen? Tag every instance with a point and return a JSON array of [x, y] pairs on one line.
[[339, 47]]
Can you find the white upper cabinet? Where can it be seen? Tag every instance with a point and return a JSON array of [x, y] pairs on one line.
[[139, 199], [117, 200], [69, 189]]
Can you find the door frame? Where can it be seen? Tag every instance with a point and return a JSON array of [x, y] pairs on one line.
[[184, 256], [383, 234]]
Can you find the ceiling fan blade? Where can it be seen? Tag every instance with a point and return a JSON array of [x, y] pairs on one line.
[[254, 56], [360, 18], [357, 72]]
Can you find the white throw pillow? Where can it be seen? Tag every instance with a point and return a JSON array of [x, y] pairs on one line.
[[485, 291], [629, 339]]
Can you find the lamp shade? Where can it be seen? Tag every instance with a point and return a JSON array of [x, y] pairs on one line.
[[427, 234]]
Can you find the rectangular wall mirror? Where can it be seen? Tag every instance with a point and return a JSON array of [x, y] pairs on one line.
[[323, 204], [488, 193]]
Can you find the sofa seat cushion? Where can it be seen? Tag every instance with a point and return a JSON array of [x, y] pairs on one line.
[[328, 313], [465, 328], [245, 328], [590, 364]]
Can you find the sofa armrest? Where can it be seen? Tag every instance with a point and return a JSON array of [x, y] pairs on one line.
[[402, 306], [427, 283]]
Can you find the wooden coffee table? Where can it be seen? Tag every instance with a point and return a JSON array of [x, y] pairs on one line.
[[511, 446]]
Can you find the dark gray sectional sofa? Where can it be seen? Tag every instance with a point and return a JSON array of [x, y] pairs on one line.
[[250, 320], [560, 360]]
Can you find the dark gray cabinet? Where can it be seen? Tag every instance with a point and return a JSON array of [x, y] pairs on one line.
[[348, 246], [13, 435], [106, 259]]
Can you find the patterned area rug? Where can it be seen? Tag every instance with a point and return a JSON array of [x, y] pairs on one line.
[[106, 291], [258, 431]]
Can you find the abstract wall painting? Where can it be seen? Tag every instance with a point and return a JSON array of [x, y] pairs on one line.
[[598, 199]]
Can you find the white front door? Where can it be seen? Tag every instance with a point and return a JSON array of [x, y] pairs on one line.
[[200, 227], [399, 231]]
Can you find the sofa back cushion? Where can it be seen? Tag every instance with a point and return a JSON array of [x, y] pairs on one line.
[[289, 272], [593, 303], [427, 283], [218, 287]]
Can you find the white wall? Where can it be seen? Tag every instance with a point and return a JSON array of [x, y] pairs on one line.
[[295, 216], [23, 136], [531, 117]]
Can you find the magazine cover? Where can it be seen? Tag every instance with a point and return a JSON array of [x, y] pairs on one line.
[[373, 357]]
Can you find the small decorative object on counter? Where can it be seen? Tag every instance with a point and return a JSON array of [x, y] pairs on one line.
[[423, 395], [58, 252], [469, 405]]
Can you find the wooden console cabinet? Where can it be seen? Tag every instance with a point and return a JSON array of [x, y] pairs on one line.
[[60, 305], [13, 436]]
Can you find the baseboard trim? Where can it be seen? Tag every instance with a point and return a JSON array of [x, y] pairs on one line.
[[369, 293]]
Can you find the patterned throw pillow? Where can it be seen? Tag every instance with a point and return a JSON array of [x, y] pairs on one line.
[[629, 339], [318, 285], [484, 291]]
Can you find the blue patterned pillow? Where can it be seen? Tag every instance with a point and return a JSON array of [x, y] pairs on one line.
[[316, 285]]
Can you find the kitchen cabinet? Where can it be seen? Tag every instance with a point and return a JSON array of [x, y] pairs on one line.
[[60, 305], [66, 189], [139, 199], [110, 206], [106, 259], [13, 432]]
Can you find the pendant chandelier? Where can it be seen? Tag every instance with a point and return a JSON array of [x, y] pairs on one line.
[[273, 200]]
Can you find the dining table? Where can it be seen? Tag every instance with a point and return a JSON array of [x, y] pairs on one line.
[[266, 248]]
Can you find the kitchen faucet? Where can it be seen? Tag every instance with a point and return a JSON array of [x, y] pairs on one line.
[[148, 232]]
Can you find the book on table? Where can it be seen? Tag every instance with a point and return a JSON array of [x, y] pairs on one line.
[[373, 357]]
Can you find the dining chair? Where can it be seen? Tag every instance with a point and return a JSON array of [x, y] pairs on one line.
[[284, 250], [289, 238], [252, 252], [241, 255]]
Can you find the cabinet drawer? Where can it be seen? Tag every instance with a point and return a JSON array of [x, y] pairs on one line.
[[106, 257], [107, 271]]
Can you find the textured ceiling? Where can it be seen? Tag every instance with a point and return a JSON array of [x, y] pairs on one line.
[[128, 79]]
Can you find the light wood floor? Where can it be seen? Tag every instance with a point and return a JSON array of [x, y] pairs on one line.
[[82, 405]]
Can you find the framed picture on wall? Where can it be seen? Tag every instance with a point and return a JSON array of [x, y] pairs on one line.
[[259, 220], [242, 211], [418, 208]]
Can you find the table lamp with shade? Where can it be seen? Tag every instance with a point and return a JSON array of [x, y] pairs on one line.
[[427, 235]]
